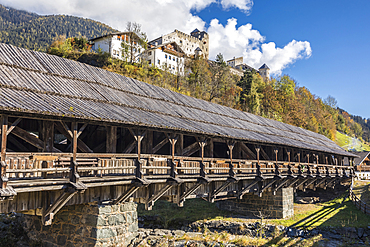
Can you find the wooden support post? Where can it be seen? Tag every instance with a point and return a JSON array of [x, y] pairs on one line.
[[48, 136], [111, 140], [231, 145], [138, 135], [173, 139], [74, 140], [277, 171], [4, 130], [147, 147], [180, 144], [202, 143]]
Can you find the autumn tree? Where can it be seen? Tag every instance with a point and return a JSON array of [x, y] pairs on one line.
[[135, 36]]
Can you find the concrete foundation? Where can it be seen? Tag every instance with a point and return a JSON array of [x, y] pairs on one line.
[[271, 206], [86, 225]]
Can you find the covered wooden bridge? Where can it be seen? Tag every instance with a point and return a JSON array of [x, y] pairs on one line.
[[73, 134]]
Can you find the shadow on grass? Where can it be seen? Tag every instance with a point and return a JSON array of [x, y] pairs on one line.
[[339, 212]]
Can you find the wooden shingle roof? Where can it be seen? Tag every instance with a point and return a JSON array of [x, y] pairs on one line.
[[37, 83]]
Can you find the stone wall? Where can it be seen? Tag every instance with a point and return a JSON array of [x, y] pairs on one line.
[[86, 225], [274, 206]]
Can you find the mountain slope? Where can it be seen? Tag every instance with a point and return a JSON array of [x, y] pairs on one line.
[[36, 32]]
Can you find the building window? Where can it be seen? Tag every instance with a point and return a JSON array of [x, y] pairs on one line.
[[150, 61], [180, 41], [177, 59], [169, 57], [150, 53], [159, 61], [173, 58], [165, 56]]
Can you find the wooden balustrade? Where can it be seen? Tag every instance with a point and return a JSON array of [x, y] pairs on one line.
[[57, 165]]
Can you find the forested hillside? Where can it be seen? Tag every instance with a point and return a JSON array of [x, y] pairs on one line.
[[36, 32]]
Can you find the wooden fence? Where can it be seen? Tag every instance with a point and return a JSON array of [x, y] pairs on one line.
[[358, 203]]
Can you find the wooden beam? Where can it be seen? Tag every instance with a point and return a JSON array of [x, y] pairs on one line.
[[82, 129], [48, 135], [263, 153], [189, 150], [130, 147], [13, 125], [246, 150], [111, 140], [31, 139], [150, 202], [4, 130], [80, 144], [74, 140], [160, 145]]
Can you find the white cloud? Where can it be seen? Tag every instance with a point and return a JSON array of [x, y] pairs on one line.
[[244, 5], [163, 16], [247, 42]]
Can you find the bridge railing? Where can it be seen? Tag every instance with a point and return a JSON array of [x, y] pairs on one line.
[[20, 166]]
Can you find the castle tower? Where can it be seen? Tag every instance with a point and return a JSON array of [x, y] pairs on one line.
[[264, 71]]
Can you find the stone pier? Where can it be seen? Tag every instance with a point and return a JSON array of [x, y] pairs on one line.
[[86, 225], [271, 206]]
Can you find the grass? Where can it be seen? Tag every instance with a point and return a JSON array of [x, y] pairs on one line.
[[345, 141], [340, 212], [194, 209], [362, 190]]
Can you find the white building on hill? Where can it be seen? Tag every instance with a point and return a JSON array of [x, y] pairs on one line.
[[112, 43], [189, 44], [168, 56]]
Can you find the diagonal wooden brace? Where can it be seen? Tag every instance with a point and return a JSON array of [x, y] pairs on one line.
[[247, 189], [213, 195], [150, 202], [281, 184], [182, 198]]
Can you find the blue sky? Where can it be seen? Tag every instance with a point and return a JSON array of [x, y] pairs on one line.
[[323, 45], [339, 37]]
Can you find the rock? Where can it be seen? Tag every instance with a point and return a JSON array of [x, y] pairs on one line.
[[178, 233], [194, 234], [360, 232]]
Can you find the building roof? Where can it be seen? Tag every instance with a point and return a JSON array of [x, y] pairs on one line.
[[264, 66], [174, 44], [198, 49], [195, 31], [361, 157], [41, 85]]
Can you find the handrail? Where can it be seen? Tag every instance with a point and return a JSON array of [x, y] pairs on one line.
[[56, 165]]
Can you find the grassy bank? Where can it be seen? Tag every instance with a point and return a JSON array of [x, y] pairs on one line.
[[346, 142]]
